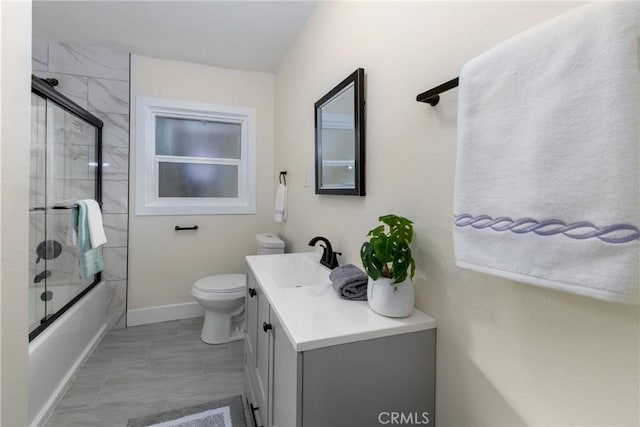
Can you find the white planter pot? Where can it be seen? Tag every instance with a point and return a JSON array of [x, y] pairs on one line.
[[390, 301]]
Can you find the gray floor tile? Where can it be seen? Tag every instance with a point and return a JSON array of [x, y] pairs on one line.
[[184, 347], [194, 394], [79, 397], [178, 403], [229, 363], [86, 378], [144, 333], [164, 370], [148, 369], [114, 360], [209, 385], [189, 325], [105, 415]]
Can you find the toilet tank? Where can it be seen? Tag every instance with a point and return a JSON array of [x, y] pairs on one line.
[[269, 244]]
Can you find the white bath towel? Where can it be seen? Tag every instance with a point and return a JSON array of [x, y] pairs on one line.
[[280, 208], [94, 218], [547, 183], [72, 234]]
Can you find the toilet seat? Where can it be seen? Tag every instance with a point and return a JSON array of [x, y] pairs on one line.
[[222, 283]]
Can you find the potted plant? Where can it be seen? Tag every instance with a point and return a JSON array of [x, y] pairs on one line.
[[387, 259]]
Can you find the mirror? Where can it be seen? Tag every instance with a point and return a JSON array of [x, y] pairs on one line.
[[340, 138]]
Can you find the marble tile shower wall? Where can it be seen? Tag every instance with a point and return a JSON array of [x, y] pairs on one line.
[[97, 79]]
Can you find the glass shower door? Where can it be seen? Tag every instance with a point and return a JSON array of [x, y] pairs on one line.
[[71, 175], [65, 146], [37, 213], [63, 170]]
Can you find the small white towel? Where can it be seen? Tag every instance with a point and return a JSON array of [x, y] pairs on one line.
[[71, 234], [546, 187], [280, 208], [94, 218]]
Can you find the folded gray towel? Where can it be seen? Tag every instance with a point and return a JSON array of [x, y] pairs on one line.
[[350, 282]]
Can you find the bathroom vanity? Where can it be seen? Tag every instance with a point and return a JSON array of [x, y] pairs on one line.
[[314, 359]]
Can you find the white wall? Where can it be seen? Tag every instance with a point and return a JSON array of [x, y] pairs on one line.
[[1, 122], [15, 135], [508, 353], [164, 264]]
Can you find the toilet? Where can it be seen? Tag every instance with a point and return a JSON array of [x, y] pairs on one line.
[[222, 297]]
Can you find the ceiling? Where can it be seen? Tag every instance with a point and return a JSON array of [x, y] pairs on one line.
[[246, 35]]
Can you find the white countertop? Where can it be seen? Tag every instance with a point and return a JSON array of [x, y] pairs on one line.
[[315, 316]]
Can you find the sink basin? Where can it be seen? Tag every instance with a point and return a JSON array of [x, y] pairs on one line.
[[296, 270]]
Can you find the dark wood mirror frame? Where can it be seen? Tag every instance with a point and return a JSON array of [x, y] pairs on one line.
[[358, 189]]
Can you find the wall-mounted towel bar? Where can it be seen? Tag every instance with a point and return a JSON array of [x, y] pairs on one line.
[[59, 207], [53, 207], [432, 96]]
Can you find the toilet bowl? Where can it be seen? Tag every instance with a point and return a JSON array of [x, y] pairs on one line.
[[222, 297]]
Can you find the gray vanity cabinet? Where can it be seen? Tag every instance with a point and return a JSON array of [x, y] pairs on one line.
[[271, 364], [362, 383], [286, 379], [263, 352], [257, 347], [251, 314]]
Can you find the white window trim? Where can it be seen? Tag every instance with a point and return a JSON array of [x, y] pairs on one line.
[[146, 197]]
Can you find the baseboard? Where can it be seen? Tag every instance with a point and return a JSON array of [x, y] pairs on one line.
[[164, 313]]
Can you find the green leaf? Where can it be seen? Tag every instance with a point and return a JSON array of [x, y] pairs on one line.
[[377, 232], [388, 252], [371, 264], [413, 268]]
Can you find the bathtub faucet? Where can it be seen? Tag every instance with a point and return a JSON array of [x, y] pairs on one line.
[[41, 276], [329, 258]]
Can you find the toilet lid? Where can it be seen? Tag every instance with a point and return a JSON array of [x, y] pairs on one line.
[[222, 283]]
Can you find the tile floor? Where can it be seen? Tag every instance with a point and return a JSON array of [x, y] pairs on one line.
[[149, 369]]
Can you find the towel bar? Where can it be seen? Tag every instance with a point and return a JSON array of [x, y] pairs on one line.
[[432, 96], [59, 207]]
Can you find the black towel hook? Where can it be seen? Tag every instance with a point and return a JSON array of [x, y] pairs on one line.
[[283, 177]]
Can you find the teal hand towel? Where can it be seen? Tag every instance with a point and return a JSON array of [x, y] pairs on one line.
[[89, 259]]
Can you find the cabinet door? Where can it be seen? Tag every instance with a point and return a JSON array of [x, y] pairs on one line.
[[285, 380], [352, 384], [263, 349], [251, 309]]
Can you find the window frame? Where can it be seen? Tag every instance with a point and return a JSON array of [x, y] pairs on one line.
[[147, 162]]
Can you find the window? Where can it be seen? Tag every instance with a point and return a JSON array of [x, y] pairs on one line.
[[194, 158]]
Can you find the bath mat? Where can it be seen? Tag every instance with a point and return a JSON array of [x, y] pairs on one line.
[[227, 412]]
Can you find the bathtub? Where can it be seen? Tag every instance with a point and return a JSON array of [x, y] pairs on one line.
[[56, 354], [61, 294]]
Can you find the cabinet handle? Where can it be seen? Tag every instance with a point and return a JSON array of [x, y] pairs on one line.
[[252, 292], [266, 326], [178, 228]]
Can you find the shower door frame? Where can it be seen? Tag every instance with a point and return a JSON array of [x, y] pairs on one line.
[[43, 89]]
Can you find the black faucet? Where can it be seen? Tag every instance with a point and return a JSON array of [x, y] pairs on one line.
[[329, 258]]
